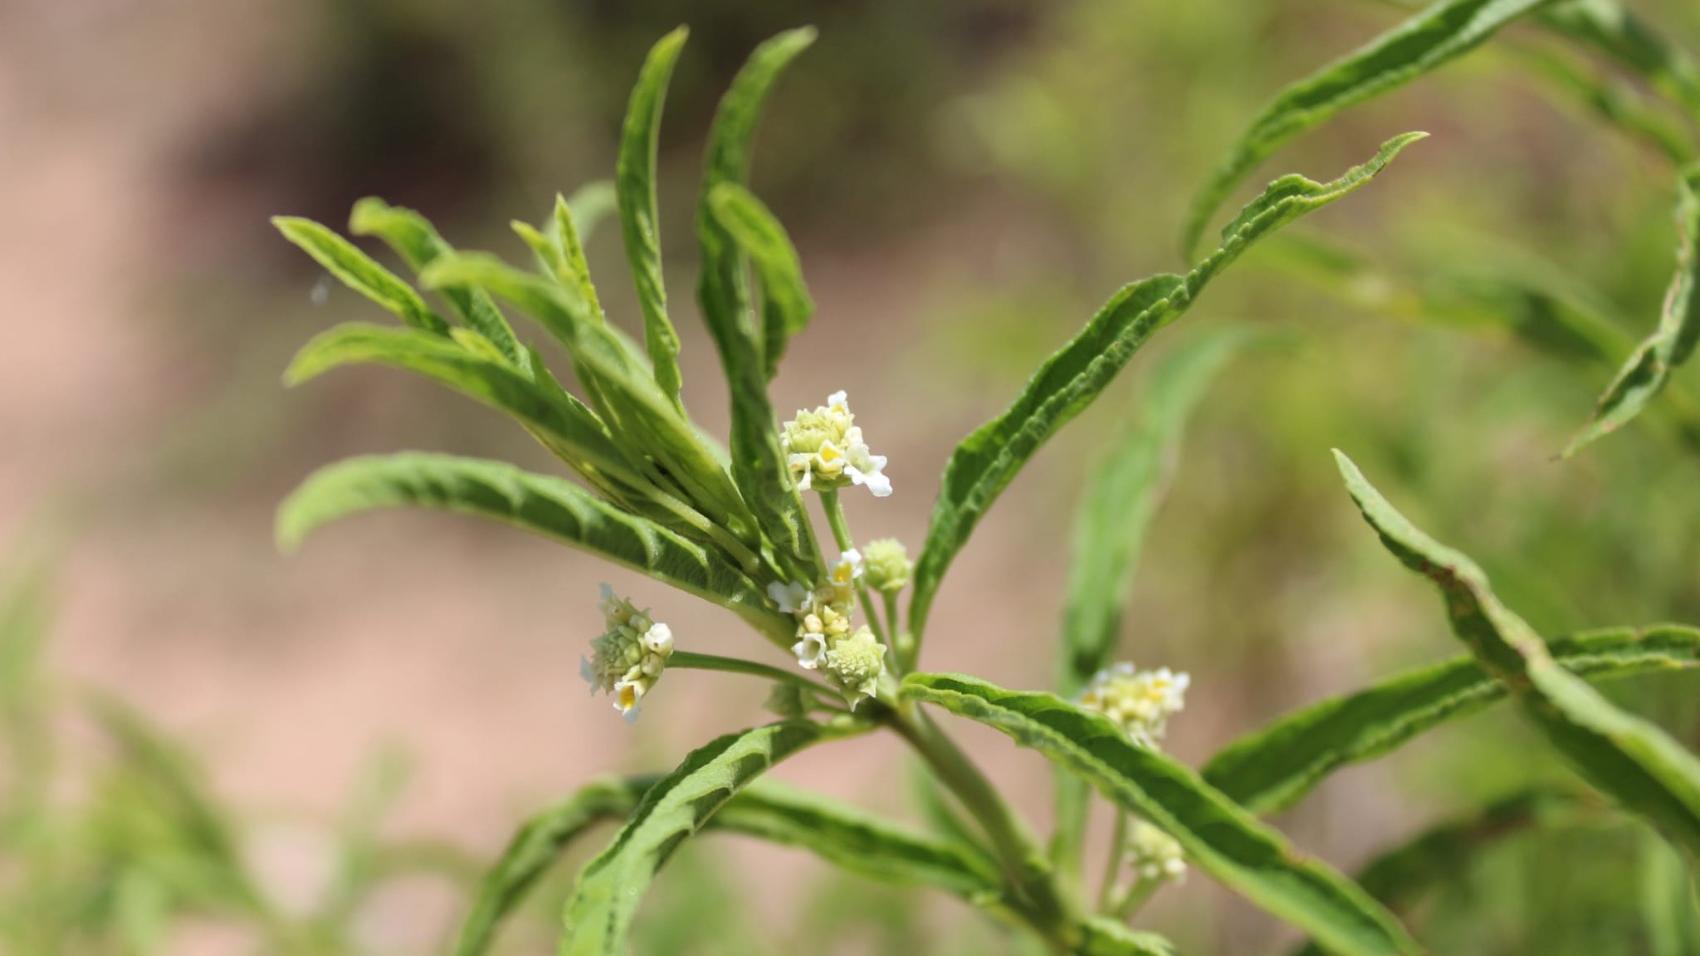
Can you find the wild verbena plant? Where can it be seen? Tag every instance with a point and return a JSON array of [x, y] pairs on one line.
[[847, 619]]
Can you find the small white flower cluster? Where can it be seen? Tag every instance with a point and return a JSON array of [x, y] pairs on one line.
[[1153, 854], [853, 658], [1140, 702], [629, 657], [824, 450]]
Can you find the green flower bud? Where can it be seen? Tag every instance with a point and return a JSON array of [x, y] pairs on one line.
[[886, 564], [855, 663]]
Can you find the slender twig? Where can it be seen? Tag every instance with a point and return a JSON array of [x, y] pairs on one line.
[[737, 665], [1113, 861]]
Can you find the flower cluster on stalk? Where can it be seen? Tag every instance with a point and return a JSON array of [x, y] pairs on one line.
[[824, 450], [627, 660], [852, 657], [1154, 855], [1140, 702]]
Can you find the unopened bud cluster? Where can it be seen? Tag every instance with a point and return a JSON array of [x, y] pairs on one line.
[[1140, 702], [627, 660], [887, 564], [824, 450], [851, 656], [1153, 854]]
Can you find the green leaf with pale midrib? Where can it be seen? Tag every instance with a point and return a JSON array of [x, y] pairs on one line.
[[599, 913], [1624, 756], [1443, 854], [552, 507], [987, 460], [640, 223], [1417, 46], [758, 464], [1272, 768], [413, 237], [836, 832], [1121, 497], [558, 420], [1647, 370], [1218, 835], [786, 305], [636, 410], [360, 272]]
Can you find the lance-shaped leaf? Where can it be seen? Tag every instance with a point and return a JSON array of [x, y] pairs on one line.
[[834, 831], [1609, 28], [786, 305], [570, 228], [1217, 834], [1626, 757], [635, 408], [414, 239], [610, 887], [1425, 41], [987, 460], [640, 223], [1649, 367], [360, 272], [1438, 855], [1103, 936], [758, 465], [1272, 768], [559, 421], [1121, 497], [545, 505]]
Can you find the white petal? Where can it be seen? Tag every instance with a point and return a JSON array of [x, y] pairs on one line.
[[838, 399], [810, 650], [659, 638]]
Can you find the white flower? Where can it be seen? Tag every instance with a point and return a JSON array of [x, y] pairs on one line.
[[789, 598], [824, 449], [1140, 702], [629, 656], [810, 650]]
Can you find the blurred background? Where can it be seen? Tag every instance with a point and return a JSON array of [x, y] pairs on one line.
[[966, 182]]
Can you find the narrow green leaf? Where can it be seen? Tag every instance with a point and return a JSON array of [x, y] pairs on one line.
[[987, 460], [1609, 28], [639, 222], [635, 408], [1649, 368], [834, 831], [600, 911], [1670, 901], [552, 507], [758, 465], [786, 305], [1108, 937], [1628, 758], [1272, 768], [535, 848], [559, 421], [1218, 835], [360, 272], [566, 234], [414, 239], [1122, 495], [1425, 41], [1439, 855]]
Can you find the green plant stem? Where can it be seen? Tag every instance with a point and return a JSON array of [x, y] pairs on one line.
[[841, 534], [1037, 897], [903, 643], [737, 665], [1135, 898], [1113, 861]]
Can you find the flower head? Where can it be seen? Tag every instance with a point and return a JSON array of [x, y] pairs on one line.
[[629, 656], [1154, 854], [1140, 702], [824, 450], [855, 663], [888, 564], [823, 621]]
